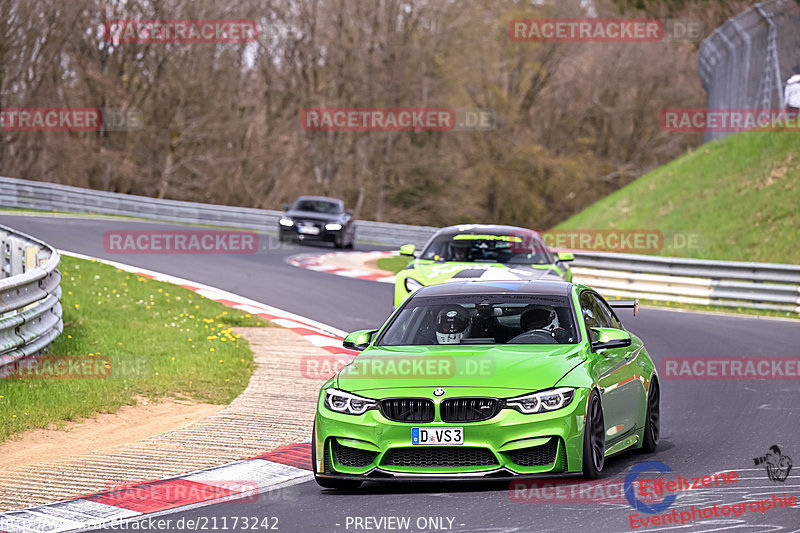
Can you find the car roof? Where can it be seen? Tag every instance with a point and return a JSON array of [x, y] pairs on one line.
[[320, 198], [477, 229], [478, 287]]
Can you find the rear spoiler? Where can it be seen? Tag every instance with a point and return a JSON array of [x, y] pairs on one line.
[[625, 304]]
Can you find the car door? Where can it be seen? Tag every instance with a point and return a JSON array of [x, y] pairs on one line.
[[612, 370], [633, 396]]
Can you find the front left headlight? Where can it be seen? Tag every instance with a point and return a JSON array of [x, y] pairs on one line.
[[333, 227], [542, 402], [343, 402], [286, 221]]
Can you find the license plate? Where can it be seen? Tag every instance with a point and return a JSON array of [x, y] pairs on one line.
[[308, 230], [437, 436]]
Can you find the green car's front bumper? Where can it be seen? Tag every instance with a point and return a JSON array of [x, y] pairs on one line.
[[511, 443]]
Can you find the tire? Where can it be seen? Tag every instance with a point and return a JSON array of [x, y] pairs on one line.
[[328, 483], [594, 438], [281, 236], [339, 242], [652, 424]]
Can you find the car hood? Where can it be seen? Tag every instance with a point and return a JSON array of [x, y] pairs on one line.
[[429, 272], [519, 368]]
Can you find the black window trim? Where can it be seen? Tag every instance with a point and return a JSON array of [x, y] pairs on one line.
[[602, 302]]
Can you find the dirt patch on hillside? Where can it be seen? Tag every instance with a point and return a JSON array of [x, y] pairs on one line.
[[129, 424]]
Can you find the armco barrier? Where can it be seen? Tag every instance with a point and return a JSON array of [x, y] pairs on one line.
[[722, 283], [695, 281], [30, 311], [28, 194]]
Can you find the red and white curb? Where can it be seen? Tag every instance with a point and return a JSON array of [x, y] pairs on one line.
[[330, 263], [240, 481]]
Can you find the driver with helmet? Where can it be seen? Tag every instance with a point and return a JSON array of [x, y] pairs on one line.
[[452, 324], [538, 318], [542, 319]]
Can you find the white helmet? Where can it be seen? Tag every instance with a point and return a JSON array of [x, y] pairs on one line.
[[452, 324], [538, 317]]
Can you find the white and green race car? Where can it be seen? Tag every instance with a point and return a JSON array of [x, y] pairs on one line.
[[480, 251]]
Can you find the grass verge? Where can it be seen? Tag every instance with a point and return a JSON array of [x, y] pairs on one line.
[[161, 341], [738, 196], [394, 263]]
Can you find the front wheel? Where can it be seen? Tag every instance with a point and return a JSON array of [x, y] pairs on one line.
[[652, 426], [594, 438]]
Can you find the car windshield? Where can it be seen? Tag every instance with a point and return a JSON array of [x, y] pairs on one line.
[[318, 206], [518, 248], [482, 319]]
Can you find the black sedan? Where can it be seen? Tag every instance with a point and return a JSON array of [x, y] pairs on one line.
[[318, 218]]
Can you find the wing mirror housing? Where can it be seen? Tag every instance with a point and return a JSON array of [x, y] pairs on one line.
[[565, 256], [610, 338], [359, 340], [408, 249]]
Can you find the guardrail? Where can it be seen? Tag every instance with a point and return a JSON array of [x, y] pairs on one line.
[[26, 194], [30, 293], [695, 281]]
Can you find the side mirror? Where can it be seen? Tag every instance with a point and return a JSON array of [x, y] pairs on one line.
[[408, 249], [349, 212], [610, 338], [359, 340], [286, 207], [565, 256]]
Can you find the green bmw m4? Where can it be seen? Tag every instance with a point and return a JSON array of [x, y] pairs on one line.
[[480, 251], [487, 379]]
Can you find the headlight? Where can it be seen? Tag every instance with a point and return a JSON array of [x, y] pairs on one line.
[[349, 404], [412, 285], [285, 221], [333, 227], [541, 402]]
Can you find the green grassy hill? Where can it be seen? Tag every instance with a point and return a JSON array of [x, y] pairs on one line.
[[740, 195]]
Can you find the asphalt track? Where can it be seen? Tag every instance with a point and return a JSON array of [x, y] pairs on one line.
[[707, 426]]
